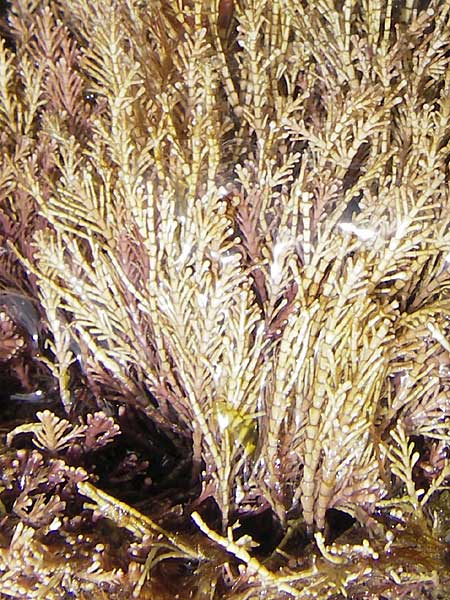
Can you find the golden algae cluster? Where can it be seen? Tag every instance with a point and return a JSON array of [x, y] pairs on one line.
[[225, 299]]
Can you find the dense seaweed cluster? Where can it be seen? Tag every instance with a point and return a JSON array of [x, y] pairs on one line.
[[224, 299]]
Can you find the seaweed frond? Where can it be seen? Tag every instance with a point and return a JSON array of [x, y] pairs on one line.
[[224, 294]]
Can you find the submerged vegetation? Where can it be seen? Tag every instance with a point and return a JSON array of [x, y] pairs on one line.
[[224, 299]]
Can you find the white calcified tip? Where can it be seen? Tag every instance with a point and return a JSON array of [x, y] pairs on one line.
[[363, 233], [202, 300], [55, 524], [223, 420], [222, 191]]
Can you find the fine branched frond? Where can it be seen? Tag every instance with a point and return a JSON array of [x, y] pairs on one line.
[[230, 222]]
